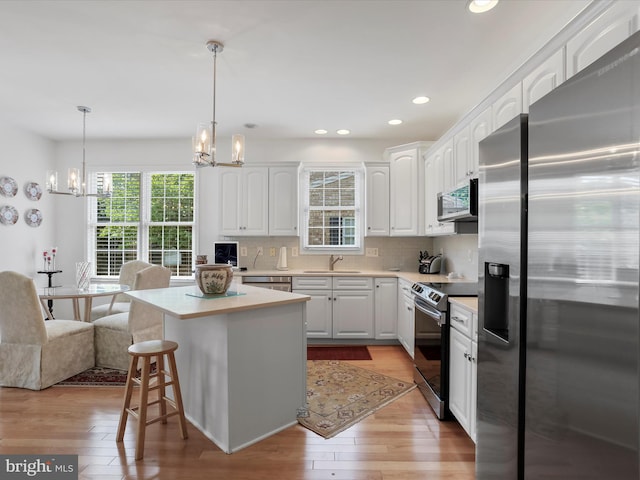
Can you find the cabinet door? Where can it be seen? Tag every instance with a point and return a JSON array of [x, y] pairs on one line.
[[353, 314], [255, 206], [231, 201], [479, 129], [403, 199], [448, 167], [377, 201], [616, 24], [430, 192], [283, 201], [543, 79], [440, 178], [406, 319], [459, 377], [507, 107], [386, 308], [462, 155], [319, 315], [473, 393]]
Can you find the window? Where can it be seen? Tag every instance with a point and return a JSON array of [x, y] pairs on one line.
[[332, 214], [149, 216]]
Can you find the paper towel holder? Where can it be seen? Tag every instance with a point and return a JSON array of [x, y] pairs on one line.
[[282, 259]]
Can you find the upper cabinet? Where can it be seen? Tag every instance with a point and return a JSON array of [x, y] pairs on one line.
[[404, 207], [462, 155], [436, 166], [479, 128], [616, 24], [244, 201], [507, 107], [543, 79], [377, 208], [283, 201]]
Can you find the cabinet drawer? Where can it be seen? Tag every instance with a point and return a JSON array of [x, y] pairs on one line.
[[312, 283], [352, 283], [461, 319]]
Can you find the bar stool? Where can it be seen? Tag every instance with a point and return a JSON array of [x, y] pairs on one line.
[[144, 351]]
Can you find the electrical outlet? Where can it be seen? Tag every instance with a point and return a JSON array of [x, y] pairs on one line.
[[272, 252], [371, 252], [294, 251], [259, 250], [243, 251]]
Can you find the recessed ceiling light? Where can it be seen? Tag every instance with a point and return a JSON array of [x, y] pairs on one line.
[[420, 100], [395, 121], [481, 6], [343, 131], [321, 131]]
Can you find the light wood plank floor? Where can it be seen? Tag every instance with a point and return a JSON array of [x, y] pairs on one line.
[[402, 441]]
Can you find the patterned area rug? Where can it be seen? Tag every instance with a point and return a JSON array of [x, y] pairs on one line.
[[97, 376], [326, 352], [339, 395]]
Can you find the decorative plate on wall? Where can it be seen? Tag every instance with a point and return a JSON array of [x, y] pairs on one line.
[[33, 217], [33, 191], [8, 186], [8, 215]]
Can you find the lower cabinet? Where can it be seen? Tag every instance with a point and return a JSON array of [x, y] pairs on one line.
[[340, 307], [463, 371], [406, 319], [386, 308]]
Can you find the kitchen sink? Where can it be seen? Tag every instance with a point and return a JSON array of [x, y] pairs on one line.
[[331, 271]]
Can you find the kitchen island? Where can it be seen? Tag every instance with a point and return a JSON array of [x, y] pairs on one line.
[[241, 359]]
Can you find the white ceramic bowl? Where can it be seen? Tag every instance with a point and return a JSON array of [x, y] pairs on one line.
[[214, 278]]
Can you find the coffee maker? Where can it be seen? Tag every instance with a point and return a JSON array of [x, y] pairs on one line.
[[430, 263]]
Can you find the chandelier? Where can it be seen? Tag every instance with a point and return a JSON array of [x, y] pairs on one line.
[[77, 178], [204, 143]]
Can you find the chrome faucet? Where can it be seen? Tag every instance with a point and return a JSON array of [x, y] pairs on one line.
[[333, 260]]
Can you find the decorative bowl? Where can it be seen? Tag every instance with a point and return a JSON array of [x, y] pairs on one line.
[[214, 278]]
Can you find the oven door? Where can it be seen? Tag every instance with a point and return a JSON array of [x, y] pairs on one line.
[[431, 356]]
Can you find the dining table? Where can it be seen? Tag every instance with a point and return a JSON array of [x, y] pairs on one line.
[[74, 294]]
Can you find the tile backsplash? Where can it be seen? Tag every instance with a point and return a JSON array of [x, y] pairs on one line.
[[393, 252]]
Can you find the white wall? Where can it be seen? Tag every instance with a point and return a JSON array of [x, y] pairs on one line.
[[26, 158]]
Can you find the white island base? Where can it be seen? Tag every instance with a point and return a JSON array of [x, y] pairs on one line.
[[241, 360]]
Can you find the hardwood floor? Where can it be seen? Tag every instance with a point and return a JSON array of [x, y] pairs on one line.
[[402, 441]]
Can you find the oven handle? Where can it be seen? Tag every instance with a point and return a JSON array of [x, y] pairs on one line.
[[429, 311]]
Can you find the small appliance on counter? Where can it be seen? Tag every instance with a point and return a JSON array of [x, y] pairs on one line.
[[430, 263]]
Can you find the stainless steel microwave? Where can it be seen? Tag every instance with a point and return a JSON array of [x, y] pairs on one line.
[[459, 204]]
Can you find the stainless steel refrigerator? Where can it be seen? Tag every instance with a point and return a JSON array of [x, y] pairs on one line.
[[559, 336]]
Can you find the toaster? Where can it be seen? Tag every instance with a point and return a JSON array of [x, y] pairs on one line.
[[431, 264]]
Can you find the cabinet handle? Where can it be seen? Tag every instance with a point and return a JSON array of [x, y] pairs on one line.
[[456, 319], [466, 355]]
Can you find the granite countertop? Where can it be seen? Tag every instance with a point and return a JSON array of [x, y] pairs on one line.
[[187, 302], [470, 303], [406, 275]]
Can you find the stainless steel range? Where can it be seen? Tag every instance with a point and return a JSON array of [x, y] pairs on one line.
[[431, 353]]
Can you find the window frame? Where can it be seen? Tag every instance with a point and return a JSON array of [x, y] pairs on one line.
[[304, 178], [144, 223]]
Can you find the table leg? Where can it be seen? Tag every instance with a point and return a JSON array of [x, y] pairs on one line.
[[87, 309], [47, 308], [76, 309]]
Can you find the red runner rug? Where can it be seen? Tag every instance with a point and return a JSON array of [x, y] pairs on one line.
[[322, 352]]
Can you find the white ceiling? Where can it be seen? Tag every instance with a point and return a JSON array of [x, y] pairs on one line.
[[289, 66]]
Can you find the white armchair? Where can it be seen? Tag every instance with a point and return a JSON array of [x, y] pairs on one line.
[[35, 353], [115, 333], [120, 303]]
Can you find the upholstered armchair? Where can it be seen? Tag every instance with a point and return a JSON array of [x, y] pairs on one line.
[[35, 353], [115, 333], [120, 303]]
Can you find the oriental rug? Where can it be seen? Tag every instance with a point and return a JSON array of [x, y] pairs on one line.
[[343, 352], [339, 395], [97, 376]]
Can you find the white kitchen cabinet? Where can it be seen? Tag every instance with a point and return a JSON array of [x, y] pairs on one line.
[[340, 307], [543, 79], [447, 167], [385, 308], [283, 201], [616, 24], [377, 206], [507, 107], [479, 129], [430, 185], [462, 155], [244, 201], [406, 318], [404, 205], [463, 352]]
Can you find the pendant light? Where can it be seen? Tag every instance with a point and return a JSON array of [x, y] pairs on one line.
[[77, 178], [204, 143]]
